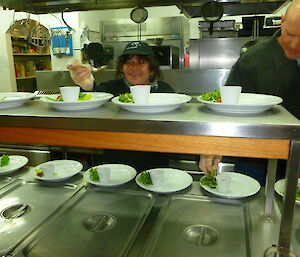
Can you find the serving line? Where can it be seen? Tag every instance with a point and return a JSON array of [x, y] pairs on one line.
[[190, 119], [36, 123], [259, 232], [273, 134]]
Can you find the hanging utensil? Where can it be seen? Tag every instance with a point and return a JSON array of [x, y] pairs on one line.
[[39, 36], [212, 11]]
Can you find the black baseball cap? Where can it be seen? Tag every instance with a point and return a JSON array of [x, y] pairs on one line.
[[139, 48]]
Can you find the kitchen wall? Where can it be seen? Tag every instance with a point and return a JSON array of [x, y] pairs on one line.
[[7, 81]]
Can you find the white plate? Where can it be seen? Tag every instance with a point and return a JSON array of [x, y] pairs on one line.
[[15, 162], [248, 104], [14, 99], [158, 102], [97, 100], [174, 180], [119, 174], [63, 170], [279, 188], [240, 186]]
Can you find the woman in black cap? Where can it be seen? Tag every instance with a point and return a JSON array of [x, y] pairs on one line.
[[137, 65]]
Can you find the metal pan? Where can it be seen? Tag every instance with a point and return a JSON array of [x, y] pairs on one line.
[[212, 11]]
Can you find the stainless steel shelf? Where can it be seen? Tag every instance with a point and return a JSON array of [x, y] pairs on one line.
[[191, 119]]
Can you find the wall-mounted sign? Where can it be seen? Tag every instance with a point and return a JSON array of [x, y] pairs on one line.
[[61, 39]]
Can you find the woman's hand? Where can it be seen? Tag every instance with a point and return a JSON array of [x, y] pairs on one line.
[[81, 75], [208, 163]]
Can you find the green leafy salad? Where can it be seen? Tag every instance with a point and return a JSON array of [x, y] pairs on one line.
[[145, 178], [209, 180], [40, 173], [4, 160], [214, 96], [82, 97], [126, 98], [298, 194], [94, 174]]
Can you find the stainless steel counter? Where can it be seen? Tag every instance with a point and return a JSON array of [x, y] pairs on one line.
[[191, 119], [192, 128], [255, 233]]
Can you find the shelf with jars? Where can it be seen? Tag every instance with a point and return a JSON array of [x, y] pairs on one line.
[[29, 53]]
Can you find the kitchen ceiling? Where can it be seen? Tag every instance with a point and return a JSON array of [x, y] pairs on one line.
[[191, 8]]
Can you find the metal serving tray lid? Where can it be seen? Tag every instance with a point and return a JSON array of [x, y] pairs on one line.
[[97, 223], [197, 227], [24, 206], [5, 181]]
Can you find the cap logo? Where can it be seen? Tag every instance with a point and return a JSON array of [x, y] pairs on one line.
[[134, 45]]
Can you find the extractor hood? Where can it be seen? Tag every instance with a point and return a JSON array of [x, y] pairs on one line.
[[191, 8]]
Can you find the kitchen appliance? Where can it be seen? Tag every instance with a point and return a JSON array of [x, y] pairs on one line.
[[273, 21], [220, 29], [252, 26], [98, 55], [167, 56], [211, 12]]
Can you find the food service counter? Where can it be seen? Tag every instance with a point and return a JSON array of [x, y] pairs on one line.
[[191, 129]]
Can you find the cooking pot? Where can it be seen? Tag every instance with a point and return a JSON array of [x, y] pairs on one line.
[[212, 11]]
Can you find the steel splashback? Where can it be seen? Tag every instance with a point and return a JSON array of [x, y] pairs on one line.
[[190, 8]]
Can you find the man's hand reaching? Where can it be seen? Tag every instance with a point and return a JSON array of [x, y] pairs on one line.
[[208, 163]]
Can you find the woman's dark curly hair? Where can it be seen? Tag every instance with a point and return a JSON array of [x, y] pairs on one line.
[[156, 73]]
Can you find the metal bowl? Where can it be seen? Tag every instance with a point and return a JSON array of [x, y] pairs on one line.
[[155, 41]]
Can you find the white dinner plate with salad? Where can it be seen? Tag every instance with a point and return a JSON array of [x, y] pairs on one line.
[[248, 104], [56, 171], [158, 102], [13, 163], [241, 186], [119, 175], [174, 180], [14, 99], [85, 101], [279, 189]]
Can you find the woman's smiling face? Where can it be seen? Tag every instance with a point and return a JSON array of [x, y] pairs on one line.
[[136, 70]]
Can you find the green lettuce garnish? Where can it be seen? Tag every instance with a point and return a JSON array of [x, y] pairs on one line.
[[94, 174], [298, 194], [209, 179], [4, 160], [145, 178], [84, 97], [126, 98], [214, 96]]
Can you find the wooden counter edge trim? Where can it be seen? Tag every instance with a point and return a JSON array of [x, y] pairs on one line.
[[227, 146]]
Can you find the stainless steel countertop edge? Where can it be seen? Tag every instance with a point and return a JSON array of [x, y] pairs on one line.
[[157, 127], [190, 119]]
